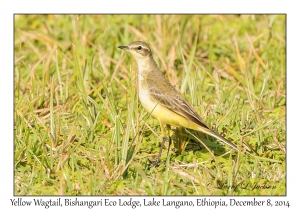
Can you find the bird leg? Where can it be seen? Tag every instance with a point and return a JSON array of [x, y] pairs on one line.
[[162, 144], [170, 132]]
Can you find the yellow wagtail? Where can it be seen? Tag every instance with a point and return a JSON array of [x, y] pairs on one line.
[[161, 99]]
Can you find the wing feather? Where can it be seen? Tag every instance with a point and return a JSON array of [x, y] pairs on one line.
[[167, 96]]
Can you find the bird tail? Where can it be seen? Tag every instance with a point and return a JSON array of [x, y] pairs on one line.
[[218, 136]]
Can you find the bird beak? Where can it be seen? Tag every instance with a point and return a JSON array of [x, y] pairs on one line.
[[124, 47]]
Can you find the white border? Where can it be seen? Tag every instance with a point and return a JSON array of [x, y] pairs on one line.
[[8, 8]]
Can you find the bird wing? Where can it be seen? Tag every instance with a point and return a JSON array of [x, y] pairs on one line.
[[163, 92], [166, 95]]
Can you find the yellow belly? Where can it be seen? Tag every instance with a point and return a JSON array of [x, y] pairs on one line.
[[162, 113], [171, 118]]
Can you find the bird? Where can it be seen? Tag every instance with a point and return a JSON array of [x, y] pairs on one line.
[[159, 97]]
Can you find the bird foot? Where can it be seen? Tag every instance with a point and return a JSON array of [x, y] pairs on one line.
[[155, 163]]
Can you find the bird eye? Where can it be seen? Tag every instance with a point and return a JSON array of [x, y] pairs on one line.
[[139, 48]]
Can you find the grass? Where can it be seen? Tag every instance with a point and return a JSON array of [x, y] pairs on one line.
[[80, 130]]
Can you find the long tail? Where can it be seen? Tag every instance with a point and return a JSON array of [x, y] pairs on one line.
[[218, 136]]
